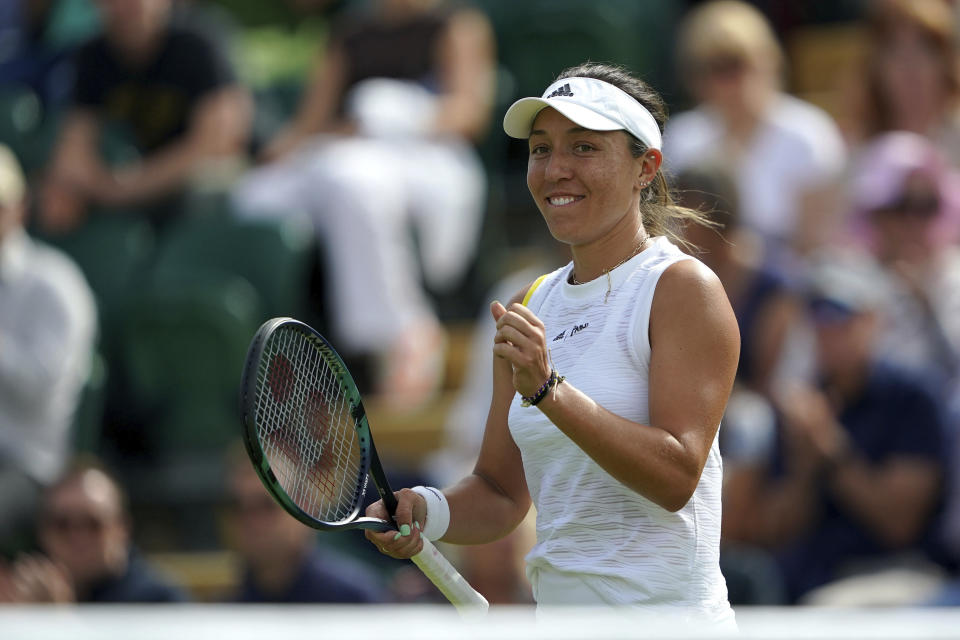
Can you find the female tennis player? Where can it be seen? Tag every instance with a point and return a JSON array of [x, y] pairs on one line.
[[611, 375]]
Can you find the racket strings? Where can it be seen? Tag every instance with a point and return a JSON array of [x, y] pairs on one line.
[[306, 428]]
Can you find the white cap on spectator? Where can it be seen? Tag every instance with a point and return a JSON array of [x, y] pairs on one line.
[[13, 188]]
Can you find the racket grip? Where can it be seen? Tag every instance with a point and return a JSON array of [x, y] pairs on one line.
[[448, 580]]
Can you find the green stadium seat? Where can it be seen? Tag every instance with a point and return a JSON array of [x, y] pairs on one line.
[[113, 251], [275, 257], [183, 348], [26, 127], [71, 22], [539, 38]]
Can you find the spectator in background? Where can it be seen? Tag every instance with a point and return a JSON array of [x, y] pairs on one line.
[[909, 80], [167, 88], [761, 296], [47, 331], [84, 532], [857, 479], [785, 153], [905, 203], [280, 558], [382, 147]]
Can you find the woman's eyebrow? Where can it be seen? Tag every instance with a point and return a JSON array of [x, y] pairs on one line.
[[541, 132]]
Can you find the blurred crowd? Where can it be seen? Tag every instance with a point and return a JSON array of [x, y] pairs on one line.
[[175, 172]]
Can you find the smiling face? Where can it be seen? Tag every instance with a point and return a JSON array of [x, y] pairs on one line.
[[587, 184]]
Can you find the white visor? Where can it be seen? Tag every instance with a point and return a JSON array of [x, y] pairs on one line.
[[592, 104]]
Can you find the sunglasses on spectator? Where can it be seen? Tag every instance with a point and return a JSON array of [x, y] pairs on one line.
[[725, 66], [63, 523], [912, 206]]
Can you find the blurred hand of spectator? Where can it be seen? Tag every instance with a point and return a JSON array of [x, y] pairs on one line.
[[281, 145], [815, 438], [60, 206], [35, 579], [8, 589]]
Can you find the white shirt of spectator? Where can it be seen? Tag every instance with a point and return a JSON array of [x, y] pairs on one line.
[[47, 329], [797, 148]]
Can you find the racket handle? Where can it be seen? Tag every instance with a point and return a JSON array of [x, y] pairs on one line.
[[448, 580]]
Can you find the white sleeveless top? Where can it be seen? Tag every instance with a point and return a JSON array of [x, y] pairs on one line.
[[590, 527]]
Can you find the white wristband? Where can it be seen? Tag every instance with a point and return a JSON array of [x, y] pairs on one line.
[[438, 512]]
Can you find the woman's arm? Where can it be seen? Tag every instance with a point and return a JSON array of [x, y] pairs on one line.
[[317, 110], [466, 68], [486, 505], [494, 499], [218, 130], [694, 349]]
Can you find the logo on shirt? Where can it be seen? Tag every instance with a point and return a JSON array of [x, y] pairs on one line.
[[569, 333], [562, 91]]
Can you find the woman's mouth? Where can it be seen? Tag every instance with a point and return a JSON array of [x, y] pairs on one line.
[[561, 201]]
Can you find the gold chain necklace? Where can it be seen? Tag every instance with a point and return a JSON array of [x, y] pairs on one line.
[[606, 272], [640, 247]]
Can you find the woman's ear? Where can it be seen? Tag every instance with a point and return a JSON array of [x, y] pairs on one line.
[[650, 163]]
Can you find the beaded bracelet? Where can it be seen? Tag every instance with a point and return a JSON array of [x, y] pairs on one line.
[[552, 381]]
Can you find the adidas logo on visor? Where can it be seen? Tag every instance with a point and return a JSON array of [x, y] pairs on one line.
[[562, 91]]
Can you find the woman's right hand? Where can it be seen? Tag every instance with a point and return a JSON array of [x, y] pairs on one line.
[[404, 541]]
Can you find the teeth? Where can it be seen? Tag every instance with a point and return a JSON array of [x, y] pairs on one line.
[[559, 202]]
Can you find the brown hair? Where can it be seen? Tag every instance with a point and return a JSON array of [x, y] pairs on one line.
[[935, 22], [661, 213], [711, 188], [729, 28]]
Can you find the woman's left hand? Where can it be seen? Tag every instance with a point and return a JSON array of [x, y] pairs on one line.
[[521, 341]]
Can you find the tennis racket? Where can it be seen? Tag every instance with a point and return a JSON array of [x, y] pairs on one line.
[[307, 435]]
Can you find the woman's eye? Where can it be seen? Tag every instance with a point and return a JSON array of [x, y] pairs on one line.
[[539, 149], [583, 147]]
